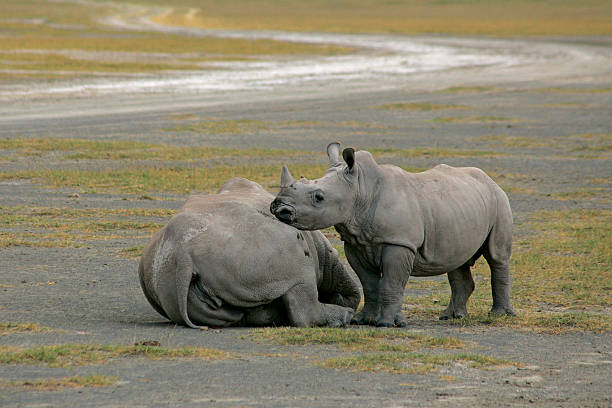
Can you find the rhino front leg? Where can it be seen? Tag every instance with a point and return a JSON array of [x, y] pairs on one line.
[[370, 280], [305, 310], [396, 267], [462, 286]]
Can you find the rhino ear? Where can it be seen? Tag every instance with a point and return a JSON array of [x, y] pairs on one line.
[[286, 178], [333, 152], [348, 155]]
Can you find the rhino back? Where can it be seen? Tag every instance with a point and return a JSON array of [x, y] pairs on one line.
[[444, 214]]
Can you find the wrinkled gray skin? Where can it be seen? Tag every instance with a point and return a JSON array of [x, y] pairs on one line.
[[225, 260], [395, 224]]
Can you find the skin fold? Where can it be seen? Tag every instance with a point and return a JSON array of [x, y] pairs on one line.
[[395, 224], [224, 260]]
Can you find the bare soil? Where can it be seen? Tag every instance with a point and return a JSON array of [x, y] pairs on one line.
[[91, 295]]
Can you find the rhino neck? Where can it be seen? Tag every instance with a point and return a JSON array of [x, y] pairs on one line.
[[357, 229]]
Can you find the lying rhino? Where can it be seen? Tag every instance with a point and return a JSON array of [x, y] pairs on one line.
[[225, 260], [395, 224]]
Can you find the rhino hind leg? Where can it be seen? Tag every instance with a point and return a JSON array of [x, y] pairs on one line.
[[206, 314], [462, 286], [500, 288], [272, 314], [497, 252], [305, 310]]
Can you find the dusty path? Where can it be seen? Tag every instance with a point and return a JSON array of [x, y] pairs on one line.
[[91, 295]]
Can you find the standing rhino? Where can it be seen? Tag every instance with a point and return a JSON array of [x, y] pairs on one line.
[[395, 224], [225, 260]]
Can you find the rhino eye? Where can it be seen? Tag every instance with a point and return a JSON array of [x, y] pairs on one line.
[[318, 196]]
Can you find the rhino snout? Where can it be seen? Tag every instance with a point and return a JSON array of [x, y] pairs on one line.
[[284, 212]]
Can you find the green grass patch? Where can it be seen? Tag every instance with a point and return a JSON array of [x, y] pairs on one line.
[[157, 179], [251, 126], [513, 141], [603, 194], [67, 355], [470, 89], [361, 339], [14, 328], [58, 384], [72, 227], [134, 252], [423, 106], [473, 119], [411, 363], [566, 90], [69, 148], [57, 62], [215, 126], [432, 152], [393, 350], [587, 145]]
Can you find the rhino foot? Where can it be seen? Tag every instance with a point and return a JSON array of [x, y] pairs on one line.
[[452, 312], [362, 318], [399, 320], [340, 317], [501, 311]]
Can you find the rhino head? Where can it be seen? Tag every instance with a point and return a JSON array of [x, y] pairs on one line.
[[321, 203]]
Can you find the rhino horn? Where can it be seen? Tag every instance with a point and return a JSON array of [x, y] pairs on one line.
[[286, 178], [333, 151]]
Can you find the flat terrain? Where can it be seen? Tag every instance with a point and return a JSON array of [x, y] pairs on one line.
[[87, 175]]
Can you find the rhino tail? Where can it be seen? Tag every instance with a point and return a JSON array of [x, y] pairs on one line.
[[174, 268], [184, 276]]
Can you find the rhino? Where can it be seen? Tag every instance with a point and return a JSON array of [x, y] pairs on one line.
[[395, 224], [224, 260]]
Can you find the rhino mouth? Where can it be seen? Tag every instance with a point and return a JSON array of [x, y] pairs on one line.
[[284, 212]]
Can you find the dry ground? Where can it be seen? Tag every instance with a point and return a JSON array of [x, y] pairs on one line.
[[84, 181]]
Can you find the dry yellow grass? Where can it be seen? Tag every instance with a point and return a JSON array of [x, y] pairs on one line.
[[496, 17]]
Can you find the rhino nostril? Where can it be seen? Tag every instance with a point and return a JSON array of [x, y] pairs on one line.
[[285, 213]]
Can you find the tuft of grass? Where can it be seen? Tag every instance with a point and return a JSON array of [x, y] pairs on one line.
[[473, 119], [512, 141], [157, 179], [58, 384], [66, 355], [218, 126], [390, 350], [587, 145], [71, 227], [432, 152], [424, 106], [69, 148], [585, 194], [134, 252], [411, 363], [566, 90], [470, 89], [12, 328], [361, 339]]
